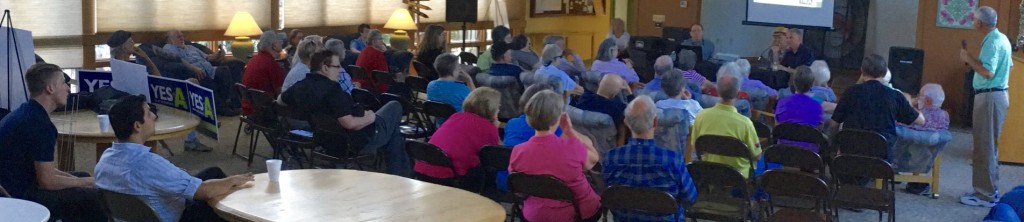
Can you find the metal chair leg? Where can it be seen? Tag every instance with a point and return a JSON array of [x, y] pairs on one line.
[[168, 148], [252, 147], [238, 134]]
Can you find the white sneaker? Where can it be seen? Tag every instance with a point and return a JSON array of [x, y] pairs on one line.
[[972, 200]]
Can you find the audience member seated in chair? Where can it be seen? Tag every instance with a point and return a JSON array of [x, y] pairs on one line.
[[128, 167], [503, 65], [758, 92], [550, 56], [522, 55], [801, 108], [262, 72], [605, 99], [663, 65], [453, 85], [464, 134], [509, 86], [27, 141], [344, 79], [677, 112], [122, 47], [372, 59], [641, 163], [517, 130], [431, 46], [724, 120], [595, 125], [606, 62], [872, 106], [822, 75], [359, 43], [575, 154], [917, 146], [319, 93], [501, 35], [304, 51], [574, 67]]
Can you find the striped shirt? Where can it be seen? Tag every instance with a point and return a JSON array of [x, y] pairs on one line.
[[641, 163]]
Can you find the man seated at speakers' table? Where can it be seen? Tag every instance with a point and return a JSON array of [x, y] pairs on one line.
[[798, 53], [917, 145], [697, 39]]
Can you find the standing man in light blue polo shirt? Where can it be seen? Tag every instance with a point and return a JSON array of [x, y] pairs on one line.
[[991, 78]]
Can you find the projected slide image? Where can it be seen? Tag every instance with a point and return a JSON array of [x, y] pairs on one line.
[[796, 3]]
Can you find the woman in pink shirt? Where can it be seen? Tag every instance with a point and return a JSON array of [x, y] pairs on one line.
[[565, 158], [464, 133]]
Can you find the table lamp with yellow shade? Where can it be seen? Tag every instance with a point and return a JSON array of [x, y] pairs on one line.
[[242, 26], [400, 20]]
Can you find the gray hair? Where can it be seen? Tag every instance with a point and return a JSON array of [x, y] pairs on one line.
[[744, 66], [337, 46], [374, 34], [673, 82], [551, 51], [446, 64], [604, 50], [640, 114], [544, 109], [552, 39], [530, 91], [687, 59], [987, 16], [935, 92], [729, 81], [797, 32], [268, 38], [821, 72], [309, 45], [663, 64]]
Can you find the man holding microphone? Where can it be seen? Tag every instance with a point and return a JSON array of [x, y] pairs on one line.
[[991, 78]]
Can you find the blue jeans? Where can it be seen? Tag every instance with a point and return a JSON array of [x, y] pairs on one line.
[[388, 140]]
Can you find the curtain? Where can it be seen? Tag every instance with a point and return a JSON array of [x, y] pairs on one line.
[[315, 13], [185, 15]]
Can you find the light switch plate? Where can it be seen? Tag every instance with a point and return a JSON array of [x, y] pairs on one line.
[[682, 3]]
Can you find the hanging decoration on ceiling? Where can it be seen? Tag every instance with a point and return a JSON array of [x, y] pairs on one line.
[[956, 14], [417, 9]]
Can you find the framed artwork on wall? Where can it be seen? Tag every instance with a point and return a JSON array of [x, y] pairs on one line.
[[544, 8], [956, 14]]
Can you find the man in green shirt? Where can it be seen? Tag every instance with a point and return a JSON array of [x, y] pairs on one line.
[[724, 120], [991, 79]]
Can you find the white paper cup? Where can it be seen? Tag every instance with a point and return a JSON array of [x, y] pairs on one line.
[[104, 123], [274, 169]]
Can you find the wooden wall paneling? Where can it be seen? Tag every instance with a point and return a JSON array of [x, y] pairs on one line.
[[674, 15]]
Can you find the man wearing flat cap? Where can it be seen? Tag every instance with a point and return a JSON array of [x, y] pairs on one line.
[[122, 47]]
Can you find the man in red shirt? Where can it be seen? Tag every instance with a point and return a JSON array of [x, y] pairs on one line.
[[263, 72], [372, 58]]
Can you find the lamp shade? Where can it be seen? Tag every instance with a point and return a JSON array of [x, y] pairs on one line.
[[243, 25], [401, 20]]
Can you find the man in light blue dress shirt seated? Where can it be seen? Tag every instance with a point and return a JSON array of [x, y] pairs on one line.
[[550, 59], [129, 168], [697, 39]]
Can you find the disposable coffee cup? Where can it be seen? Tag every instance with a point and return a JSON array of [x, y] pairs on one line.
[[104, 123], [274, 170]]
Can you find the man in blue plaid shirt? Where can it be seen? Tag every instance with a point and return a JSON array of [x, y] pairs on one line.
[[641, 163]]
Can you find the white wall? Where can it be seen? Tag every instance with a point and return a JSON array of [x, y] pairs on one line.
[[723, 24], [891, 23]]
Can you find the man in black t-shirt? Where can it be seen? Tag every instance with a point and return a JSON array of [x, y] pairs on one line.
[[797, 55], [872, 106], [320, 93], [27, 141]]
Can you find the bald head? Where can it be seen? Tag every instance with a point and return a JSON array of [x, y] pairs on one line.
[[640, 116], [729, 81], [611, 85], [663, 64], [176, 37]]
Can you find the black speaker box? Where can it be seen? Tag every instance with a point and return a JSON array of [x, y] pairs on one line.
[[906, 65], [460, 11]]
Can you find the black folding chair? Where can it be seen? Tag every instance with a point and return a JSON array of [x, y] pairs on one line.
[[861, 142], [412, 126], [725, 146], [424, 70], [468, 58], [3, 192], [296, 144], [798, 185], [383, 77], [540, 186], [243, 93], [493, 158], [640, 199], [804, 133], [724, 193], [365, 97], [795, 157], [263, 120], [418, 85], [339, 146], [438, 110], [763, 130], [433, 155], [357, 72], [857, 196], [124, 207]]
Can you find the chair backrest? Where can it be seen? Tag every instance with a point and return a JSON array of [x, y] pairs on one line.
[[795, 184], [366, 98], [424, 70], [438, 109], [861, 142], [468, 58], [718, 179], [641, 199], [124, 207], [796, 157], [333, 137], [383, 77], [542, 186], [243, 91], [802, 133], [762, 129], [722, 146], [428, 153], [417, 84], [495, 157], [357, 72], [673, 129], [263, 106], [861, 166], [402, 100]]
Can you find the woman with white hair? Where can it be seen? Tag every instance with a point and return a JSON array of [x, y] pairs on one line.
[[300, 67], [606, 62], [917, 145], [262, 72], [822, 75]]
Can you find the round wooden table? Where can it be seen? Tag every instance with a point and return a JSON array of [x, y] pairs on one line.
[[17, 210], [83, 126], [351, 195]]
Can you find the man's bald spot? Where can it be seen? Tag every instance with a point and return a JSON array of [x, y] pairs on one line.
[[610, 85], [663, 64]]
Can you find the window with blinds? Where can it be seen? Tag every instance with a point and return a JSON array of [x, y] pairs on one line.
[[61, 30], [316, 13], [185, 15]]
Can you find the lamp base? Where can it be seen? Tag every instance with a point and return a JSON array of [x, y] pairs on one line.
[[400, 40], [242, 48]]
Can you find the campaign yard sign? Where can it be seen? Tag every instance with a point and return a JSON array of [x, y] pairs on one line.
[[200, 101], [169, 92], [90, 80]]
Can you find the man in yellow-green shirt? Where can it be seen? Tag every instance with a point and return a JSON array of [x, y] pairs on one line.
[[724, 120]]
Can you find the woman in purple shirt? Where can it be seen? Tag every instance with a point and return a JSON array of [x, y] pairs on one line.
[[800, 107]]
